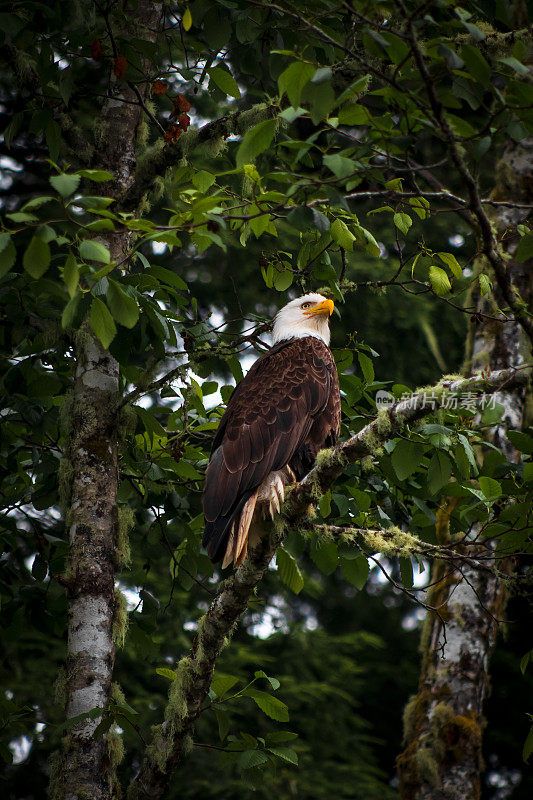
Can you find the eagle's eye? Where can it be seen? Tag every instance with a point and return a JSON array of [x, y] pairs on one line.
[[306, 305]]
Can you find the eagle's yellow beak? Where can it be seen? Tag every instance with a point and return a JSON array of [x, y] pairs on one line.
[[325, 307]]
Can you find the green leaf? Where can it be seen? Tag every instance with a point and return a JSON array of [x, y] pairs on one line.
[[36, 259], [96, 175], [286, 753], [236, 369], [21, 216], [406, 457], [165, 672], [250, 759], [342, 234], [485, 283], [273, 681], [53, 138], [203, 180], [277, 737], [367, 367], [468, 450], [439, 281], [94, 713], [269, 705], [324, 505], [102, 322], [151, 425], [439, 472], [518, 67], [521, 441], [65, 184], [186, 470], [71, 274], [255, 141], [8, 253], [123, 307], [94, 251], [490, 488], [225, 81], [168, 277], [420, 206], [186, 20], [354, 114], [325, 556], [293, 80], [37, 202], [69, 311], [125, 709], [524, 249], [289, 571], [451, 57], [302, 218], [476, 65], [528, 472], [355, 570], [406, 571], [492, 414], [223, 723], [528, 746], [14, 126], [524, 661], [66, 84], [322, 75], [402, 221], [290, 114], [452, 263], [223, 683], [339, 165]]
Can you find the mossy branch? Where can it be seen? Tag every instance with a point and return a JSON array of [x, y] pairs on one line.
[[331, 463], [394, 541], [171, 739], [158, 159]]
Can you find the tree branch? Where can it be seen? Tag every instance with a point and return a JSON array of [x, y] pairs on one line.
[[490, 243], [331, 463], [158, 159], [172, 739]]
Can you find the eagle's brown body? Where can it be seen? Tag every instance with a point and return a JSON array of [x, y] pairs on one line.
[[283, 412]]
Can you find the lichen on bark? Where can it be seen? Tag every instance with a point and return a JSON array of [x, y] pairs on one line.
[[444, 721]]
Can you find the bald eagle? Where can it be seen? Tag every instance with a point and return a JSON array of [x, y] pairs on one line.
[[281, 414]]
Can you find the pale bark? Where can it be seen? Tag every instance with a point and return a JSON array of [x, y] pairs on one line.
[[444, 721], [85, 767], [190, 689]]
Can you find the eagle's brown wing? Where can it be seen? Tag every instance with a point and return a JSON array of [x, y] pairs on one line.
[[266, 425]]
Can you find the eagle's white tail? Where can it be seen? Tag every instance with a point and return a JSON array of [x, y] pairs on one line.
[[265, 502]]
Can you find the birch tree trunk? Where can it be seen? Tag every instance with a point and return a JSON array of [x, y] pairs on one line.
[[85, 768], [444, 720]]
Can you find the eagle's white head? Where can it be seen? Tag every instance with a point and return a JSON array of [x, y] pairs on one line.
[[306, 316]]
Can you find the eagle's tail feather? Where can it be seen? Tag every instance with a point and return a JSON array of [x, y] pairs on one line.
[[229, 537], [228, 556], [241, 543], [218, 531]]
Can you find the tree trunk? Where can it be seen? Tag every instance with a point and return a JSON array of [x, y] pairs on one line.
[[85, 767], [444, 720], [90, 578]]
